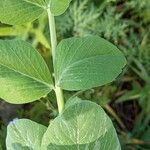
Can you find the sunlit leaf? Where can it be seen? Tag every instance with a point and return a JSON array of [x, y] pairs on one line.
[[24, 134], [18, 12], [84, 63], [24, 76], [58, 7], [83, 126]]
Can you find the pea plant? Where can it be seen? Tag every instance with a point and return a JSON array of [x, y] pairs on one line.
[[78, 63]]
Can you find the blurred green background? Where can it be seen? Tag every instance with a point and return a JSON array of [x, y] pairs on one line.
[[126, 23]]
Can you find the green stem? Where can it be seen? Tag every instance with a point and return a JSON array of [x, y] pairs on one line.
[[60, 99], [53, 37]]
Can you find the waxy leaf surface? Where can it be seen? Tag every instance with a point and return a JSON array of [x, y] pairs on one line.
[[24, 134], [82, 126], [84, 63], [24, 75]]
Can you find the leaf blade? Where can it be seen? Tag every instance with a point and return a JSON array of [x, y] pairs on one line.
[[24, 134], [58, 7], [18, 12], [22, 70], [83, 125], [84, 63]]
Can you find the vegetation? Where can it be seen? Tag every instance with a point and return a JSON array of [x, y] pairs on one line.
[[127, 100]]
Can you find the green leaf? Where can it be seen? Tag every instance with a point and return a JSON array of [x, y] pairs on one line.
[[24, 76], [16, 12], [72, 101], [58, 7], [83, 126], [20, 11], [24, 134], [84, 63]]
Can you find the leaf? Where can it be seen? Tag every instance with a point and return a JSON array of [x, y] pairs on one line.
[[84, 63], [16, 12], [24, 134], [58, 7], [83, 126], [24, 76], [72, 101], [20, 11]]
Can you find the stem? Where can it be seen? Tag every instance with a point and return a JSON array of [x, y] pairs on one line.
[[60, 99], [53, 37]]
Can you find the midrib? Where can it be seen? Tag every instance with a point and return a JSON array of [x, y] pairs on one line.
[[33, 78], [36, 4]]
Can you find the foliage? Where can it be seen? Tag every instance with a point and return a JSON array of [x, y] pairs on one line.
[[24, 134], [125, 23], [59, 133], [82, 127], [23, 70], [26, 76], [85, 18], [73, 62], [20, 11]]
